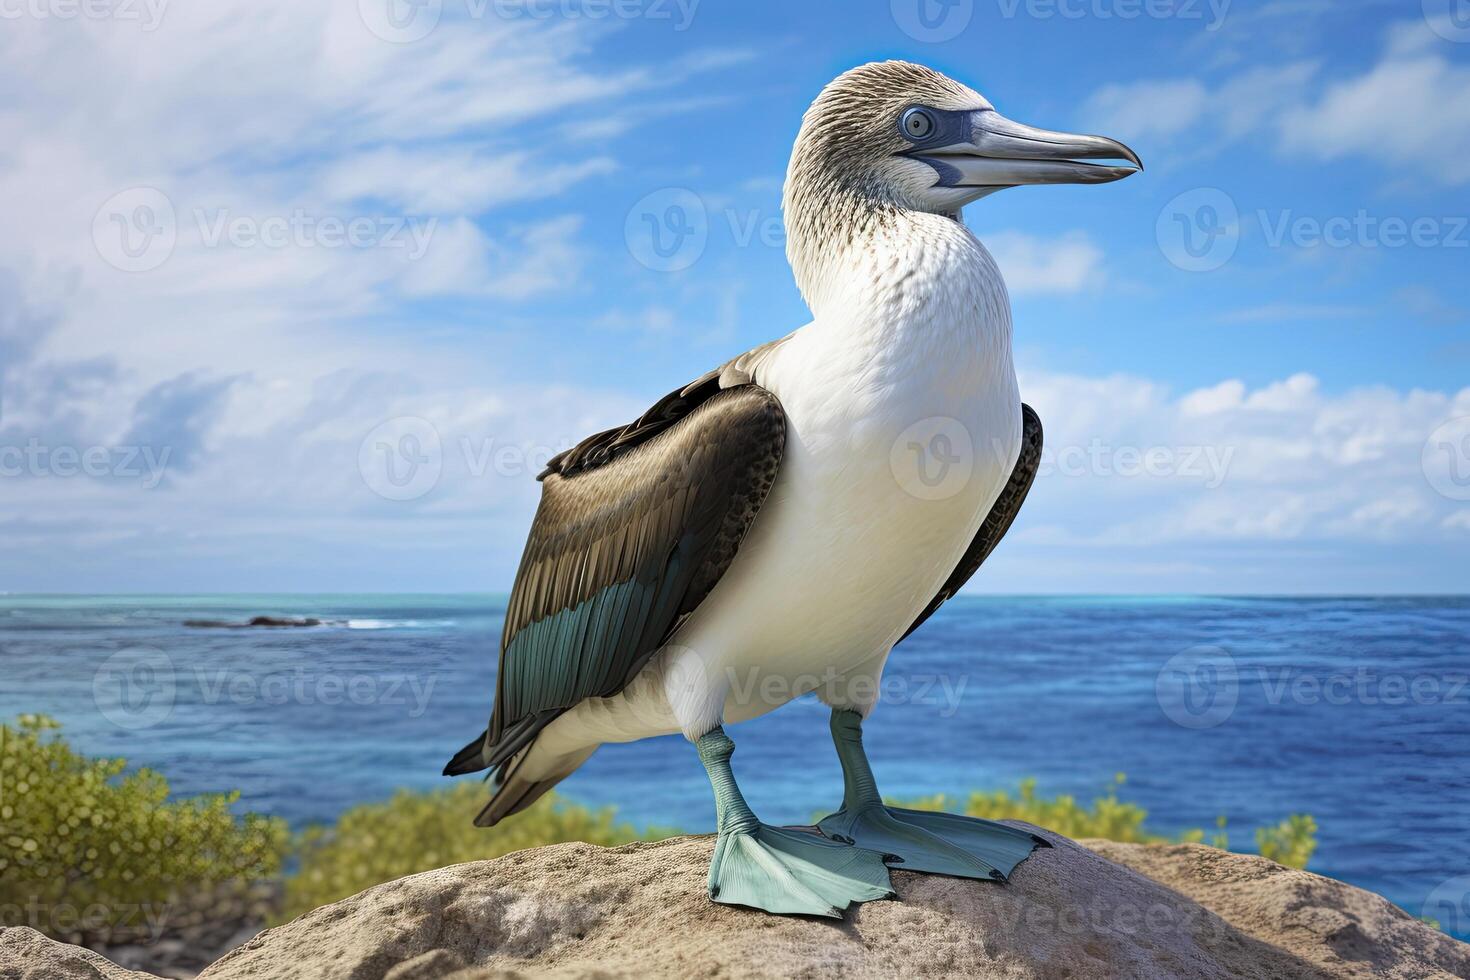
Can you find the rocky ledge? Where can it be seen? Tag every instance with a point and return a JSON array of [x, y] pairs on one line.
[[1078, 910]]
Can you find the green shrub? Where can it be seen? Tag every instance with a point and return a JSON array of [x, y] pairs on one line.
[[94, 855], [377, 842], [1291, 842]]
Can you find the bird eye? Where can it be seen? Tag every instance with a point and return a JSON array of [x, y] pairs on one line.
[[917, 124]]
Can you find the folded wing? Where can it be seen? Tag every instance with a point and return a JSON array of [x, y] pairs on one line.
[[636, 526], [1002, 513]]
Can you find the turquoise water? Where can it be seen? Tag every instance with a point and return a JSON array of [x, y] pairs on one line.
[[1356, 710]]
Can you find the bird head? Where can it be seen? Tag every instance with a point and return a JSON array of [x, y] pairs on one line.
[[898, 135]]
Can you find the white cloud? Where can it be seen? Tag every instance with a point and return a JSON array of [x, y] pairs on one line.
[[452, 181], [1405, 112], [1034, 264], [1167, 110], [1285, 461], [1140, 109], [259, 366]]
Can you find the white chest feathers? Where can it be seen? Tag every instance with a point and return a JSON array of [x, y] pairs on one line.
[[903, 425]]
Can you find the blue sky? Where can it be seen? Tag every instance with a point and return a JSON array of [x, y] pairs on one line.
[[299, 295]]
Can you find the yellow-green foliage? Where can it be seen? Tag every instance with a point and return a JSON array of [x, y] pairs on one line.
[[1291, 842], [92, 854], [89, 853], [377, 842]]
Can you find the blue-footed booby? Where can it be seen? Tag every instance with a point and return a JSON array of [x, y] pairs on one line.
[[757, 530]]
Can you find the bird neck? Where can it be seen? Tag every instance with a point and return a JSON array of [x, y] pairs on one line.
[[909, 275]]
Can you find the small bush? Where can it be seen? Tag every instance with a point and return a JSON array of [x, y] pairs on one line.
[[377, 842], [92, 855], [1291, 842]]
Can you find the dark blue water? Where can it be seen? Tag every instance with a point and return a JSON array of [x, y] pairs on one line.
[[1355, 710]]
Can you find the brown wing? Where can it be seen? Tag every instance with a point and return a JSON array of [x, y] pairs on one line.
[[1002, 513], [635, 527]]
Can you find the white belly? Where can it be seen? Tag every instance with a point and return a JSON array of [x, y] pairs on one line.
[[866, 522]]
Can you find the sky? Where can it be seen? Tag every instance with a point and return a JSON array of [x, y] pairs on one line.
[[298, 296]]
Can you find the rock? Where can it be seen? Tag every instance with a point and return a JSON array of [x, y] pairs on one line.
[[25, 954], [1099, 910], [255, 622]]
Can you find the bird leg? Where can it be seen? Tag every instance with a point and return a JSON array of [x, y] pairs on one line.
[[790, 872], [916, 840]]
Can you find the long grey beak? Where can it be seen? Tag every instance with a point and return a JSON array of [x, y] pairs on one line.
[[1002, 153]]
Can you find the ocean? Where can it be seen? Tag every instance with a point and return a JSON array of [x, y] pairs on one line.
[[1354, 710]]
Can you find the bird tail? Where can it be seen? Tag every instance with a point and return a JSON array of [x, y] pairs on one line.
[[522, 780], [520, 774], [469, 759]]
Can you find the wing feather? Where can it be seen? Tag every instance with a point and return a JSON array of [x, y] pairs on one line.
[[635, 527], [1002, 514]]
